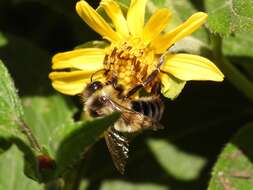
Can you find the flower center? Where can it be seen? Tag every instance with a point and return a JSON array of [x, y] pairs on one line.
[[129, 63]]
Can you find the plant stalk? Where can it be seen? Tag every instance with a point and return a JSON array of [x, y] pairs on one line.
[[240, 81]]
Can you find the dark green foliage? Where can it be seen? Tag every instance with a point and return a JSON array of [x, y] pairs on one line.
[[198, 124], [234, 168]]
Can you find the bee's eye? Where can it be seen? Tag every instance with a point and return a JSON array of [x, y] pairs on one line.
[[95, 86]]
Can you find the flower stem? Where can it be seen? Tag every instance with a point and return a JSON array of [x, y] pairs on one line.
[[28, 132], [240, 81]]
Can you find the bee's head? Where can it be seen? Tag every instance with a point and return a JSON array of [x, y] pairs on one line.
[[94, 86], [91, 88], [95, 99]]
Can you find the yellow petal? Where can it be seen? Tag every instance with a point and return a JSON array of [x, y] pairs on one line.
[[135, 16], [68, 88], [95, 21], [156, 24], [89, 59], [113, 10], [171, 86], [70, 83], [163, 42], [191, 67]]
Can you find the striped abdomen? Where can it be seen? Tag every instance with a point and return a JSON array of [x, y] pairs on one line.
[[152, 107]]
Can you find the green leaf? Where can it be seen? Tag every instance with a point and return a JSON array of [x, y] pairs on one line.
[[234, 168], [11, 124], [239, 45], [11, 174], [238, 49], [181, 165], [49, 118], [31, 168], [192, 45], [172, 87], [11, 110], [180, 9], [116, 184], [230, 16], [79, 140]]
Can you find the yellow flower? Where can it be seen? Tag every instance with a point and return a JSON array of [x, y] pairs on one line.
[[134, 51]]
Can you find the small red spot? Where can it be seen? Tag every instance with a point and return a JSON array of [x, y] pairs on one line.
[[45, 162]]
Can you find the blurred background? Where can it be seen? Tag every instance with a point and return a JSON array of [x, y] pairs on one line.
[[198, 123]]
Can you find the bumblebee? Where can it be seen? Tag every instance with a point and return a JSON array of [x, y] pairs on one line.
[[137, 114]]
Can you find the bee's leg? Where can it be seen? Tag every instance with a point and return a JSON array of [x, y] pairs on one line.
[[149, 79], [113, 80], [156, 88], [120, 90]]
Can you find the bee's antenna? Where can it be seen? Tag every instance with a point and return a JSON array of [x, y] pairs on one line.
[[93, 74]]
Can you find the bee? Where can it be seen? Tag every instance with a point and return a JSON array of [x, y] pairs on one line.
[[137, 114]]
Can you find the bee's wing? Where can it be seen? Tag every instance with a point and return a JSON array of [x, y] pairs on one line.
[[118, 146]]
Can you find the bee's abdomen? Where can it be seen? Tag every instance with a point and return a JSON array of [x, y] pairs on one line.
[[152, 108]]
